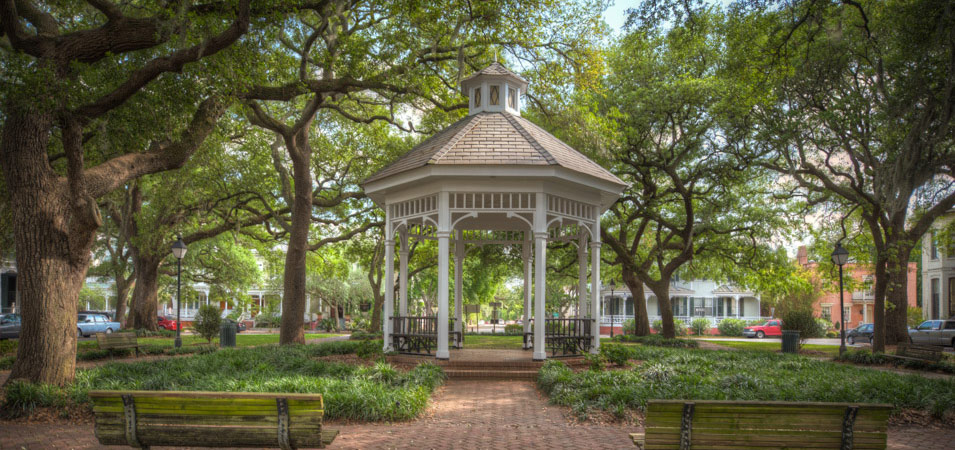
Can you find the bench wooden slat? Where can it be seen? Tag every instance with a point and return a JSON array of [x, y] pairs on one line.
[[117, 341], [750, 424], [211, 419], [919, 352]]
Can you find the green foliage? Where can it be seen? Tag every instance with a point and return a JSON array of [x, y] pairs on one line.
[[657, 340], [866, 357], [616, 354], [594, 361], [738, 375], [678, 325], [802, 321], [369, 349], [913, 316], [23, 397], [513, 329], [328, 324], [207, 322], [6, 362], [731, 327], [700, 326], [142, 332], [364, 335]]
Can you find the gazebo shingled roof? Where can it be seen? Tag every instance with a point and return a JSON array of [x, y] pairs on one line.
[[495, 138]]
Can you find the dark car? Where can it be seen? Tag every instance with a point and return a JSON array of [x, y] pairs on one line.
[[239, 326], [861, 333], [9, 326]]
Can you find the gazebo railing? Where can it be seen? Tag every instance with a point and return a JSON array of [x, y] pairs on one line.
[[565, 337], [418, 335]]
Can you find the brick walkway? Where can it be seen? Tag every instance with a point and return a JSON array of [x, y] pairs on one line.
[[468, 414]]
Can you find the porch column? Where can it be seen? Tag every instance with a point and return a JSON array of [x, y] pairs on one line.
[[582, 274], [759, 307], [403, 273], [595, 284], [739, 307], [444, 235], [389, 309], [308, 308], [459, 254], [526, 253], [540, 266]]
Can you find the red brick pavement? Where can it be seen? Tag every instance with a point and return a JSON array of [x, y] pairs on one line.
[[471, 414]]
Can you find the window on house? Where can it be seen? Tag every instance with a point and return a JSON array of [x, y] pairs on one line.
[[846, 314], [495, 95], [936, 297], [827, 312], [951, 297], [477, 97], [934, 244], [512, 98]]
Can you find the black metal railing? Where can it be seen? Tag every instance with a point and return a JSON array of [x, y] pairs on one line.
[[418, 335], [566, 337]]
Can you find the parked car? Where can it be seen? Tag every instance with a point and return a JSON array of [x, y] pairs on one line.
[[239, 326], [167, 324], [109, 314], [772, 327], [9, 326], [934, 332], [90, 324], [861, 333]]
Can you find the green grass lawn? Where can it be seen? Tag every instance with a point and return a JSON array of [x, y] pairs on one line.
[[675, 373], [829, 350], [487, 341]]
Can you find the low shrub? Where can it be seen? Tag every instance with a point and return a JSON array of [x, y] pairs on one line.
[[731, 327], [360, 335], [866, 357], [8, 346], [657, 340], [6, 362], [369, 349], [514, 329], [162, 332], [23, 397], [328, 324], [616, 354], [678, 327], [832, 334], [595, 361], [207, 322], [803, 321], [700, 326]]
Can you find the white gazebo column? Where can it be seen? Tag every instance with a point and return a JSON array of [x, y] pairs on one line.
[[528, 272], [582, 275], [540, 268], [444, 235], [389, 283], [403, 273], [459, 254], [595, 285]]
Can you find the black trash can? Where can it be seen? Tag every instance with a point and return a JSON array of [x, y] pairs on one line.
[[790, 341], [227, 334]]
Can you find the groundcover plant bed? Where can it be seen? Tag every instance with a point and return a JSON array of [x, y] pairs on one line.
[[375, 393], [673, 373]]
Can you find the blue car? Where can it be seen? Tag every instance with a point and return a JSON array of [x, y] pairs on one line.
[[90, 324]]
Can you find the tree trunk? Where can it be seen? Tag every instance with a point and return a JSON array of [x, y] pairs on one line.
[[293, 299], [896, 295], [54, 233], [145, 306], [640, 318], [122, 294], [662, 290]]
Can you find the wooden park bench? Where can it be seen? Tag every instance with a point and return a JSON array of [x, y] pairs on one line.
[[728, 424], [916, 352], [209, 419], [564, 337], [117, 341]]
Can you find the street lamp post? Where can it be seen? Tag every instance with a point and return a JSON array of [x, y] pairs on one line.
[[840, 256], [179, 251], [613, 285]]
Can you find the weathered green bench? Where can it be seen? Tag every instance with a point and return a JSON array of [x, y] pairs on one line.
[[118, 341], [209, 419], [916, 352], [728, 424]]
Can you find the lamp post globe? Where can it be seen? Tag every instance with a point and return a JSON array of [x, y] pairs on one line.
[[179, 251], [840, 256]]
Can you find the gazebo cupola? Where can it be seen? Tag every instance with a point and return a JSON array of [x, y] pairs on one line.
[[494, 89], [492, 178]]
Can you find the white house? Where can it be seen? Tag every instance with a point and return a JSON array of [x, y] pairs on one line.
[[938, 272]]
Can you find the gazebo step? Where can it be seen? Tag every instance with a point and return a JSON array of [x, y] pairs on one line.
[[492, 374]]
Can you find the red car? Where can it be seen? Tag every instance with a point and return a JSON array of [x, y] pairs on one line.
[[772, 327], [168, 324]]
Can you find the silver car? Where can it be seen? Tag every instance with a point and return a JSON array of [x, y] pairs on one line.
[[934, 332]]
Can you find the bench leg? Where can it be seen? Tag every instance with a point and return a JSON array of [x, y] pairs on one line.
[[638, 439]]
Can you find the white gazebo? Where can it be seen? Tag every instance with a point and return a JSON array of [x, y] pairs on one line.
[[492, 177]]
